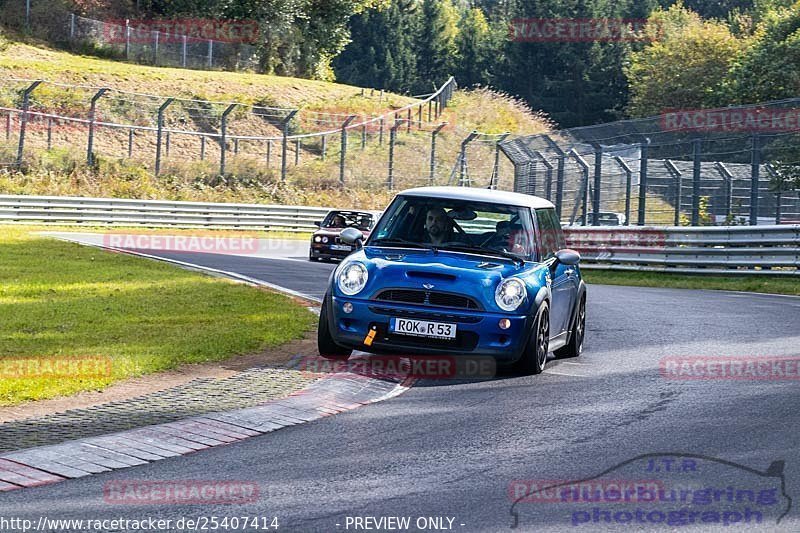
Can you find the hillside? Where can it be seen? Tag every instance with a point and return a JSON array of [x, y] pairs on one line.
[[313, 180]]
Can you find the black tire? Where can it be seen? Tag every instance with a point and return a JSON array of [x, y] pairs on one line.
[[534, 356], [325, 344], [575, 345], [314, 259]]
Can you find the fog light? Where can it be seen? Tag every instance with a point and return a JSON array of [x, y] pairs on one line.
[[347, 307], [504, 323]]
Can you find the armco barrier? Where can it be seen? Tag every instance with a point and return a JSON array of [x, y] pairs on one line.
[[773, 250]]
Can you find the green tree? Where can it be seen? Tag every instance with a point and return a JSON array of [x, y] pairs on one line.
[[476, 50], [435, 43], [687, 67], [381, 51], [769, 68]]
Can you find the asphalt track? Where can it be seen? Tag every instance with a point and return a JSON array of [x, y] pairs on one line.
[[453, 449]]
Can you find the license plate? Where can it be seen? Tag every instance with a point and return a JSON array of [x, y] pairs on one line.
[[341, 247], [422, 328]]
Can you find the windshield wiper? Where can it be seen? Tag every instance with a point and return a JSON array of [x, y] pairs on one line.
[[487, 251], [397, 240]]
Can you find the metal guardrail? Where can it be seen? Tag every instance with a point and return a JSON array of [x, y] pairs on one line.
[[773, 250], [157, 213]]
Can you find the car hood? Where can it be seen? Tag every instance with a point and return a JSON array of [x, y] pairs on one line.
[[473, 275]]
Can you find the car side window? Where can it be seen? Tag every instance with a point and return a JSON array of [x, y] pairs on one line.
[[551, 238]]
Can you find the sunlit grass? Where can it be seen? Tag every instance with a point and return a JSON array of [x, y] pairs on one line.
[[61, 300]]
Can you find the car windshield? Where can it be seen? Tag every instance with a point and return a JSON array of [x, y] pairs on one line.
[[348, 219], [457, 225]]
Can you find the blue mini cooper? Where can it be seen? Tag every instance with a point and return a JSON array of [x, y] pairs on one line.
[[458, 271]]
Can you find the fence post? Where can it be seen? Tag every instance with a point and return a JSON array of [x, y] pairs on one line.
[[363, 136], [210, 53], [598, 175], [778, 192], [392, 137], [296, 152], [127, 39], [583, 194], [183, 51], [28, 15], [159, 131], [548, 174], [167, 142], [728, 179], [643, 148], [408, 129], [380, 132], [324, 146], [49, 133], [236, 146], [530, 169], [419, 118], [26, 101], [755, 164], [155, 48], [285, 141], [496, 167], [429, 111], [697, 146], [223, 141], [673, 170], [343, 153], [8, 126], [130, 143], [462, 159], [559, 172], [92, 115], [269, 153], [628, 178], [434, 133]]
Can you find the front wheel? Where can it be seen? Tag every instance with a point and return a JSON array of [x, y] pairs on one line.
[[575, 345], [534, 356], [325, 343]]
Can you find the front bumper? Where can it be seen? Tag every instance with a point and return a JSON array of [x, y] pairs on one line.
[[477, 332], [323, 251]]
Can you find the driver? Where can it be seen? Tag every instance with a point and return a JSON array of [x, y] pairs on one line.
[[438, 226], [338, 222]]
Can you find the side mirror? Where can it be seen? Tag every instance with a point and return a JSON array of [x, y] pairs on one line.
[[351, 236], [568, 257], [318, 223]]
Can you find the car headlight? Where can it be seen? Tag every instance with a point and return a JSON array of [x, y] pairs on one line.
[[510, 294], [317, 238], [324, 239], [352, 278]]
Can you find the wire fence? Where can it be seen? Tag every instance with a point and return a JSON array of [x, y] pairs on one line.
[[692, 167], [402, 147], [185, 43]]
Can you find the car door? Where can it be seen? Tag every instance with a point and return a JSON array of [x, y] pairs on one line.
[[564, 285]]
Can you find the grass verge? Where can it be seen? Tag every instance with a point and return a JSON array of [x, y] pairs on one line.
[[62, 301], [747, 283]]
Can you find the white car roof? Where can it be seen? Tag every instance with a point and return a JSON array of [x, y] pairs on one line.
[[473, 194]]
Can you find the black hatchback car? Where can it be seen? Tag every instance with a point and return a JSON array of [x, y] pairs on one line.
[[325, 242]]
